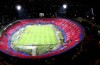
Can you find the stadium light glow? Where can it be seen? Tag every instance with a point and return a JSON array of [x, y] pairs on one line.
[[18, 7], [64, 6]]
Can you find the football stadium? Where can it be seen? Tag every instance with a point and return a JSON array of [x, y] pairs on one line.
[[39, 38], [49, 32]]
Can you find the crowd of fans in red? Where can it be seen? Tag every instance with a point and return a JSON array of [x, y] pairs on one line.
[[85, 53]]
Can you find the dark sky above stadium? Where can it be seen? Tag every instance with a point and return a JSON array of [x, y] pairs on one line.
[[32, 8]]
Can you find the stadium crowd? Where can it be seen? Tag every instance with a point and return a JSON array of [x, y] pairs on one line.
[[86, 53]]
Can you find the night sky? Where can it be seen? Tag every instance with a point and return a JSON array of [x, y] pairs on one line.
[[51, 8]]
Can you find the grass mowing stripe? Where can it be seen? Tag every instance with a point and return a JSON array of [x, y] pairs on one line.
[[42, 36], [32, 36], [38, 34]]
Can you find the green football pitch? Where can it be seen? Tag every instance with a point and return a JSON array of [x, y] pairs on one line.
[[37, 35]]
